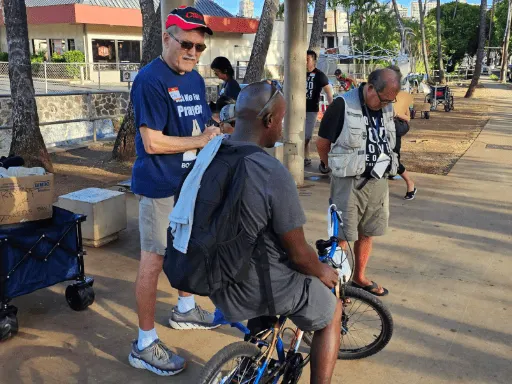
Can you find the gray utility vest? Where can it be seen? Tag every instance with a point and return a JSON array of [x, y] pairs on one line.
[[347, 157]]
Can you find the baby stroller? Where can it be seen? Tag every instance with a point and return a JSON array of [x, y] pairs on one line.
[[440, 95]]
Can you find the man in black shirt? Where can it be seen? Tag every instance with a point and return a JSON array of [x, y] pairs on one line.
[[316, 81], [355, 130]]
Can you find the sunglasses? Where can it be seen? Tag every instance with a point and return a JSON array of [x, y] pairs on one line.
[[385, 101], [261, 114], [188, 45]]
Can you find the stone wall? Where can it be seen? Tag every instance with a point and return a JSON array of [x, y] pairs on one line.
[[72, 107], [69, 107]]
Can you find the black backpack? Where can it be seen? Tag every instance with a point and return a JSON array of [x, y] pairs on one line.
[[219, 251]]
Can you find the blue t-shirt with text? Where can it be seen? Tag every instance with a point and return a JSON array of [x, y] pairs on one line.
[[176, 105]]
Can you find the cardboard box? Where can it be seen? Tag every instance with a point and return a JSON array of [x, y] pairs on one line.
[[27, 198]]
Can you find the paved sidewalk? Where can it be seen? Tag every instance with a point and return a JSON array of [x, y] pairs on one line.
[[447, 262]]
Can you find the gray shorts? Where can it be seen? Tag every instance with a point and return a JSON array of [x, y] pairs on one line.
[[315, 308], [153, 223], [364, 211], [310, 123]]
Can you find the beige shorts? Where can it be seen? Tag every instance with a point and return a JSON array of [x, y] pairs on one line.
[[364, 211], [153, 223]]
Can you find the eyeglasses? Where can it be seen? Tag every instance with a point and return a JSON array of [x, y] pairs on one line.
[[263, 111], [384, 101], [188, 45]]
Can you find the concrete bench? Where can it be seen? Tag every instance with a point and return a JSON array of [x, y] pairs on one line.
[[105, 210]]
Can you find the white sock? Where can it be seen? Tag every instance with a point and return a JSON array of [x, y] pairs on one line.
[[146, 338], [186, 303]]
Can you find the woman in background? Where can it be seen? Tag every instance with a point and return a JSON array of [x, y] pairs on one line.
[[224, 71]]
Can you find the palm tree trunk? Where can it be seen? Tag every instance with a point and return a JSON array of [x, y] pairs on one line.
[[349, 25], [423, 38], [255, 69], [27, 140], [490, 32], [317, 29], [455, 10], [480, 51], [506, 41], [439, 48], [124, 147], [400, 25]]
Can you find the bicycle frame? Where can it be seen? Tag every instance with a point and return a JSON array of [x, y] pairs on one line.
[[276, 344]]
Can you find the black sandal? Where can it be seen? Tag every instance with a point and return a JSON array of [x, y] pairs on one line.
[[371, 287]]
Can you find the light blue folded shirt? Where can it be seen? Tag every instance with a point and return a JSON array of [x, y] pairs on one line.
[[182, 216]]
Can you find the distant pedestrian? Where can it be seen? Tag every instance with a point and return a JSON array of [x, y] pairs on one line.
[[222, 68], [402, 117], [316, 81]]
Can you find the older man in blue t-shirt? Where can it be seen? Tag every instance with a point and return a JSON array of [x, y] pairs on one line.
[[171, 114]]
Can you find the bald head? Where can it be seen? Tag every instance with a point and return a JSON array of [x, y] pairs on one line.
[[260, 109]]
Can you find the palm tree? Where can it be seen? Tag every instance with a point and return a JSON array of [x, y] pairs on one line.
[[27, 140], [439, 50], [506, 41], [317, 28], [124, 147], [259, 51], [423, 38], [480, 51]]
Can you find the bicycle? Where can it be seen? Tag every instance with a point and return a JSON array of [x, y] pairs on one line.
[[256, 360]]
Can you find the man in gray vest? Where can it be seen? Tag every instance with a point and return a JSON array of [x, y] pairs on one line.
[[356, 138]]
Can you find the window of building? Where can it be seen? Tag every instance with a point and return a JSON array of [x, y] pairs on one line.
[[330, 42], [346, 40], [39, 46], [128, 51], [57, 46], [103, 51], [71, 45]]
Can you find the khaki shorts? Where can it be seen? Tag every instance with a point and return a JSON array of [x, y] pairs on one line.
[[153, 223], [364, 211]]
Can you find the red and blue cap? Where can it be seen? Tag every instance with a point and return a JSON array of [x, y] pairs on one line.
[[187, 18]]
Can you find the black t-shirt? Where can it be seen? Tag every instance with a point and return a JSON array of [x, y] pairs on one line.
[[230, 89], [315, 81], [332, 124]]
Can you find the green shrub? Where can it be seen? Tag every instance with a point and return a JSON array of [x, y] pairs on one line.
[[4, 56], [494, 77], [74, 57], [56, 58]]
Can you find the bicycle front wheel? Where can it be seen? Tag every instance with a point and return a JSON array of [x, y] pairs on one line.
[[236, 363], [366, 325]]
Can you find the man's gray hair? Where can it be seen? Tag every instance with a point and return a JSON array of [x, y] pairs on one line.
[[381, 81], [173, 30]]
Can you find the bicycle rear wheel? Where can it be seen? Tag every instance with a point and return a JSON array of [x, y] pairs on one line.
[[236, 363], [367, 326]]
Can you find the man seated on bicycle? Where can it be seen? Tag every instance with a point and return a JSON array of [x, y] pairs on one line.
[[300, 284]]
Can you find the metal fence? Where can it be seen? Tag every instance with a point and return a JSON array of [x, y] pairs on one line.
[[55, 78], [50, 78]]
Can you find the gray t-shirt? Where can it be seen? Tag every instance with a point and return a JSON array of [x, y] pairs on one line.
[[270, 198]]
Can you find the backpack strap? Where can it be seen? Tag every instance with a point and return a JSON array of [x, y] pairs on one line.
[[261, 248]]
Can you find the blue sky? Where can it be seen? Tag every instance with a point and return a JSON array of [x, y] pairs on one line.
[[232, 5]]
